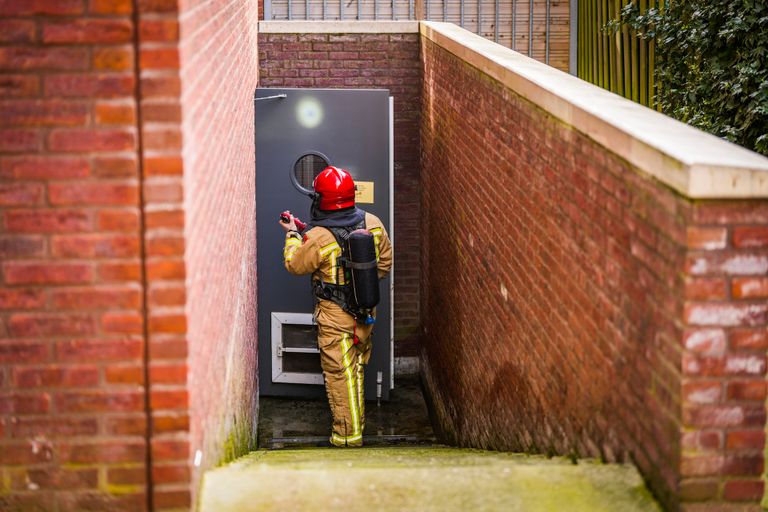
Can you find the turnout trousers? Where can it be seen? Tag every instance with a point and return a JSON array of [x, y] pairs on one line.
[[343, 363]]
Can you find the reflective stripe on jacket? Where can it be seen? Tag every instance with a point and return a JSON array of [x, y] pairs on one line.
[[318, 252]]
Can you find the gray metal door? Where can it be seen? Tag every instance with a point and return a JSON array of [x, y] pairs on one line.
[[299, 132]]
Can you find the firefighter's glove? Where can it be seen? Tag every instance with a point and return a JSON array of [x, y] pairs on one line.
[[288, 226]]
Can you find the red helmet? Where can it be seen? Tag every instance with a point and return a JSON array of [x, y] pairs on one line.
[[336, 189]]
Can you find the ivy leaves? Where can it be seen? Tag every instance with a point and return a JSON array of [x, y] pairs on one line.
[[712, 64]]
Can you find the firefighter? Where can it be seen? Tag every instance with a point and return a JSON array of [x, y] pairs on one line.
[[344, 334]]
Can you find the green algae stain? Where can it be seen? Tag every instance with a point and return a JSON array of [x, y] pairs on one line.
[[594, 488], [417, 478], [238, 442]]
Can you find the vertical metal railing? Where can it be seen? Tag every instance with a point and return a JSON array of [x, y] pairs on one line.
[[479, 18], [534, 26], [514, 24], [530, 29], [546, 34], [573, 36]]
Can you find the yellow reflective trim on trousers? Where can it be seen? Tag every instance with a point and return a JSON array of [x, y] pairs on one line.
[[345, 347], [350, 384], [346, 439], [360, 398]]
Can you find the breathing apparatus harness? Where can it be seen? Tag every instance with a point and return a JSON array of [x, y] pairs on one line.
[[333, 207], [360, 292]]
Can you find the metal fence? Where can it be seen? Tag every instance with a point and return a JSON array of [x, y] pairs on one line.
[[537, 28]]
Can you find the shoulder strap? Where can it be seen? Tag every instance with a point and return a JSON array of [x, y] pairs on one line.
[[341, 234]]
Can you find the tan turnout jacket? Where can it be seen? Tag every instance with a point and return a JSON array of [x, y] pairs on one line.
[[318, 254]]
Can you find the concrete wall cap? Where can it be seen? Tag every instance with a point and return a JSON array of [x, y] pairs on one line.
[[338, 27], [692, 162]]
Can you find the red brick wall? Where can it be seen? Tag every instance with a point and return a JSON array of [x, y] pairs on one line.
[[724, 346], [573, 306], [72, 420], [94, 227], [387, 61], [219, 73], [164, 221]]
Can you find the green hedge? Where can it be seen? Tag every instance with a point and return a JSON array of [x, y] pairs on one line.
[[711, 64]]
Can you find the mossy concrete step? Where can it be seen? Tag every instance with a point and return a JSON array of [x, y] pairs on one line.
[[422, 479]]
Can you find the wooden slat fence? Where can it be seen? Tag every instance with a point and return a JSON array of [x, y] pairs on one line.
[[620, 61]]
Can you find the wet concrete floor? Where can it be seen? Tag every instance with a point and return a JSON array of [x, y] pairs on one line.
[[286, 423]]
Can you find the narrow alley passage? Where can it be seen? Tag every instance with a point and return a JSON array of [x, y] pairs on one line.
[[575, 274]]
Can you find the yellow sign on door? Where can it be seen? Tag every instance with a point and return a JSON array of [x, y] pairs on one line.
[[364, 192]]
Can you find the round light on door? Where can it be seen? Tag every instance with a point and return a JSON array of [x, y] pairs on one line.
[[306, 169], [309, 112]]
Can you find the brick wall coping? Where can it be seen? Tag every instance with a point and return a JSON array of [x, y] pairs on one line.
[[338, 27], [694, 163]]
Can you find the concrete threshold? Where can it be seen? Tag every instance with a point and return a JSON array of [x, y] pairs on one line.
[[323, 441], [420, 478]]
